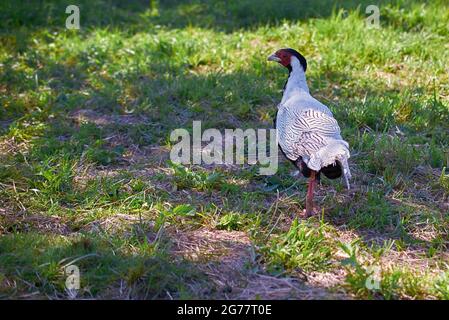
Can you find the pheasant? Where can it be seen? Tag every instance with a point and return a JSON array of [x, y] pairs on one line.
[[308, 134]]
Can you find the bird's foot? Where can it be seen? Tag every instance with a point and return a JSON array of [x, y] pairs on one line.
[[311, 212]]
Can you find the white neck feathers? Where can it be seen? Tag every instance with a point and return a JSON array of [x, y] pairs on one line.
[[296, 81]]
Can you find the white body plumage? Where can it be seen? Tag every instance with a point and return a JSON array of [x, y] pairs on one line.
[[306, 128]]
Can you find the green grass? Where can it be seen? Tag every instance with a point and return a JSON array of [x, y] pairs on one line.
[[304, 247], [85, 121]]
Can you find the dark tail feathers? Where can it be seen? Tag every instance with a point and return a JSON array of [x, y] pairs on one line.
[[332, 171]]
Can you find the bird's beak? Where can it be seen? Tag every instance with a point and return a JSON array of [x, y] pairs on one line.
[[274, 57]]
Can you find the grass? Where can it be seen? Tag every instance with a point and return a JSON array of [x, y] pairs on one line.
[[85, 121], [303, 247], [35, 263]]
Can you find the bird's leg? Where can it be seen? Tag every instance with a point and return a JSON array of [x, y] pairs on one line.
[[309, 198]]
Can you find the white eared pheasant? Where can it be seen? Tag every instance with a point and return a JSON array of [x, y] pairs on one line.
[[308, 134]]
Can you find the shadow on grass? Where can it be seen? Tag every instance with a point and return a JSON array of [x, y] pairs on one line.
[[34, 263]]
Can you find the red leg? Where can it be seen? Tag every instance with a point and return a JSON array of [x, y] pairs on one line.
[[309, 197]]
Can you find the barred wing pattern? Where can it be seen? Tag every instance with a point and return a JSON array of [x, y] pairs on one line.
[[313, 135]]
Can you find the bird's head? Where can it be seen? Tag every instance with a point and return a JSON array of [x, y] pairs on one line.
[[285, 56]]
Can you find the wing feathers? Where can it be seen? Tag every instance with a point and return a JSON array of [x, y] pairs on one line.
[[313, 135]]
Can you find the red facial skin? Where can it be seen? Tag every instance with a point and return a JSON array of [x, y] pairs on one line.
[[284, 56]]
